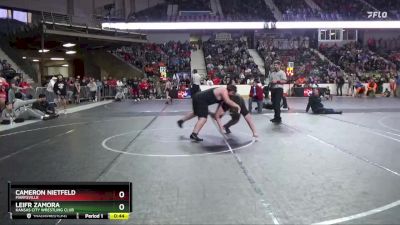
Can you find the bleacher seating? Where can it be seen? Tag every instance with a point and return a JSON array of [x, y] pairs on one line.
[[251, 10], [149, 57], [358, 59], [295, 10], [307, 63], [229, 59]]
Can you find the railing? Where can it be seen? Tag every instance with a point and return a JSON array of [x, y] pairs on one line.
[[56, 18], [25, 65]]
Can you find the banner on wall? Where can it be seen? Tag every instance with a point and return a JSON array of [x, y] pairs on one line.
[[163, 72], [290, 69]]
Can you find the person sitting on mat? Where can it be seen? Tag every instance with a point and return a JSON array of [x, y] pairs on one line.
[[314, 101], [371, 88], [44, 106], [235, 116], [360, 89], [200, 103]]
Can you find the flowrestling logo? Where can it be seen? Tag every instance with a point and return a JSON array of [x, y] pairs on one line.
[[377, 14]]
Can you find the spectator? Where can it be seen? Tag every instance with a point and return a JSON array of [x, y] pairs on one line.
[[360, 89], [8, 115], [3, 97], [256, 95], [386, 93], [50, 89], [44, 106], [314, 102], [339, 85], [93, 90], [392, 86], [77, 90], [145, 89], [20, 110], [371, 88], [60, 89]]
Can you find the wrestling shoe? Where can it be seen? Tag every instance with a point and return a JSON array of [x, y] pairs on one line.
[[227, 130], [194, 137], [180, 123], [276, 120]]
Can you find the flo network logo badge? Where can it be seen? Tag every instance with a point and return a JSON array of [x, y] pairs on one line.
[[380, 15]]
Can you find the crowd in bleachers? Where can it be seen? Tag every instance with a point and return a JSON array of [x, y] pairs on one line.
[[355, 59], [343, 10], [229, 62], [150, 57], [308, 66], [198, 5], [387, 48], [255, 10], [196, 18], [295, 10], [250, 10], [152, 14]]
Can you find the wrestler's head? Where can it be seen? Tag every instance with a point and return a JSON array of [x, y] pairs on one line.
[[231, 89], [277, 65]]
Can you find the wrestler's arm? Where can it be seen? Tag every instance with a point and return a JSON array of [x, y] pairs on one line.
[[218, 115], [249, 121], [227, 100]]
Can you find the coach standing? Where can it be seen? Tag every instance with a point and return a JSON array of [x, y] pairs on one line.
[[196, 79], [276, 79]]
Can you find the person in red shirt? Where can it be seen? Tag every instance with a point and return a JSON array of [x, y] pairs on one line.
[[256, 95], [4, 83], [216, 80], [3, 97], [145, 88], [25, 86]]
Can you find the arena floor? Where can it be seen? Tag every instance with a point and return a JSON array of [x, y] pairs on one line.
[[311, 169]]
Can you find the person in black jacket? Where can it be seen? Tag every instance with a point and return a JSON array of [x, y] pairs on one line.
[[60, 89], [314, 102], [339, 85], [43, 105]]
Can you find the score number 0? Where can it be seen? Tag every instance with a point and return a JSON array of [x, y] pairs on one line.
[[121, 195]]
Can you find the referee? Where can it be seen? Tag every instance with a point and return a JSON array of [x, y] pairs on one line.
[[196, 79], [276, 80]]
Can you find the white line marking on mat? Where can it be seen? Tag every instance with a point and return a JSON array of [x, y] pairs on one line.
[[62, 125], [360, 215], [33, 145], [249, 177], [356, 156], [380, 121], [105, 146]]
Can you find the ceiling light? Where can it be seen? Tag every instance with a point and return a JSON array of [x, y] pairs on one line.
[[385, 24], [35, 60], [56, 59], [23, 57], [43, 50], [70, 52], [186, 26], [65, 65], [69, 45]]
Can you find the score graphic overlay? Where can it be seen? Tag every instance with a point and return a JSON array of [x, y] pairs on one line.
[[97, 200]]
